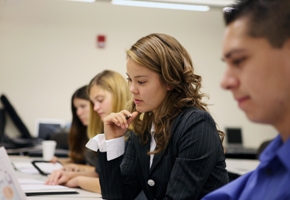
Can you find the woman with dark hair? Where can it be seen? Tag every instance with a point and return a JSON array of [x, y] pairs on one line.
[[80, 157], [80, 119]]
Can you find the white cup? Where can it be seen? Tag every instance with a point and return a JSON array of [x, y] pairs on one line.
[[48, 149]]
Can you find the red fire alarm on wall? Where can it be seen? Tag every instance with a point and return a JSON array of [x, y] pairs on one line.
[[101, 41]]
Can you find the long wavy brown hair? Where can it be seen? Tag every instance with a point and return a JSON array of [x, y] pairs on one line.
[[78, 137], [164, 55]]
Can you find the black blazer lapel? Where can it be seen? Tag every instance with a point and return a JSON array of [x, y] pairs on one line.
[[157, 157], [144, 158], [156, 160]]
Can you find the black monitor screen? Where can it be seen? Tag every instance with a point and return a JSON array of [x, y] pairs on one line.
[[234, 135], [46, 130]]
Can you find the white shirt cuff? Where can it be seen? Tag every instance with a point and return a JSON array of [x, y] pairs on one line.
[[97, 143], [113, 147]]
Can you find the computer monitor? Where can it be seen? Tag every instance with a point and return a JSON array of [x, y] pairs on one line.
[[15, 117], [234, 137], [45, 128]]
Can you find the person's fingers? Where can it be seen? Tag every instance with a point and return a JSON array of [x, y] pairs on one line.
[[62, 180], [121, 118], [54, 159], [55, 176], [47, 182], [50, 179], [132, 117], [116, 124]]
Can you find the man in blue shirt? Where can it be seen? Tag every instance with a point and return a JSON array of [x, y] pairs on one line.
[[256, 49]]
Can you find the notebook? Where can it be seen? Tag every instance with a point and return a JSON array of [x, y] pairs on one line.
[[32, 187], [16, 189]]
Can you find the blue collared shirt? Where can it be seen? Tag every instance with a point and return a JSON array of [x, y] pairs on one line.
[[270, 181]]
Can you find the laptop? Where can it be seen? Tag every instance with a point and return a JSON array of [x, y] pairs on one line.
[[9, 184], [13, 188], [45, 128], [234, 142]]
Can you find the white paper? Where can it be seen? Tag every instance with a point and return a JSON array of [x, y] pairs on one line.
[[25, 167], [36, 185]]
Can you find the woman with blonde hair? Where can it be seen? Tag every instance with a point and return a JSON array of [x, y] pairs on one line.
[[108, 92], [108, 87]]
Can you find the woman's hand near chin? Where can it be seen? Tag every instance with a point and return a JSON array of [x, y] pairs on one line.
[[116, 124]]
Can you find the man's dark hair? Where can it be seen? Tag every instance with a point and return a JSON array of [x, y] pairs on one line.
[[269, 19]]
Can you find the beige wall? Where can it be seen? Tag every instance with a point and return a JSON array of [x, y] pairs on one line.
[[48, 49]]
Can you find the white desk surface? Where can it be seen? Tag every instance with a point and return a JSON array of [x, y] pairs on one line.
[[241, 166], [82, 193], [238, 166]]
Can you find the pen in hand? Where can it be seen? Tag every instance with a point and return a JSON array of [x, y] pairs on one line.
[[128, 116]]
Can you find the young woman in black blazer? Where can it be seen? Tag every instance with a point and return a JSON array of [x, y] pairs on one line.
[[175, 150]]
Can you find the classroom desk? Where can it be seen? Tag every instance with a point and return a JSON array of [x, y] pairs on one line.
[[237, 166], [82, 193], [35, 151]]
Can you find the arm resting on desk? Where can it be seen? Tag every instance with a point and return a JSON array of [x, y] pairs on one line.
[[91, 184], [62, 177]]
